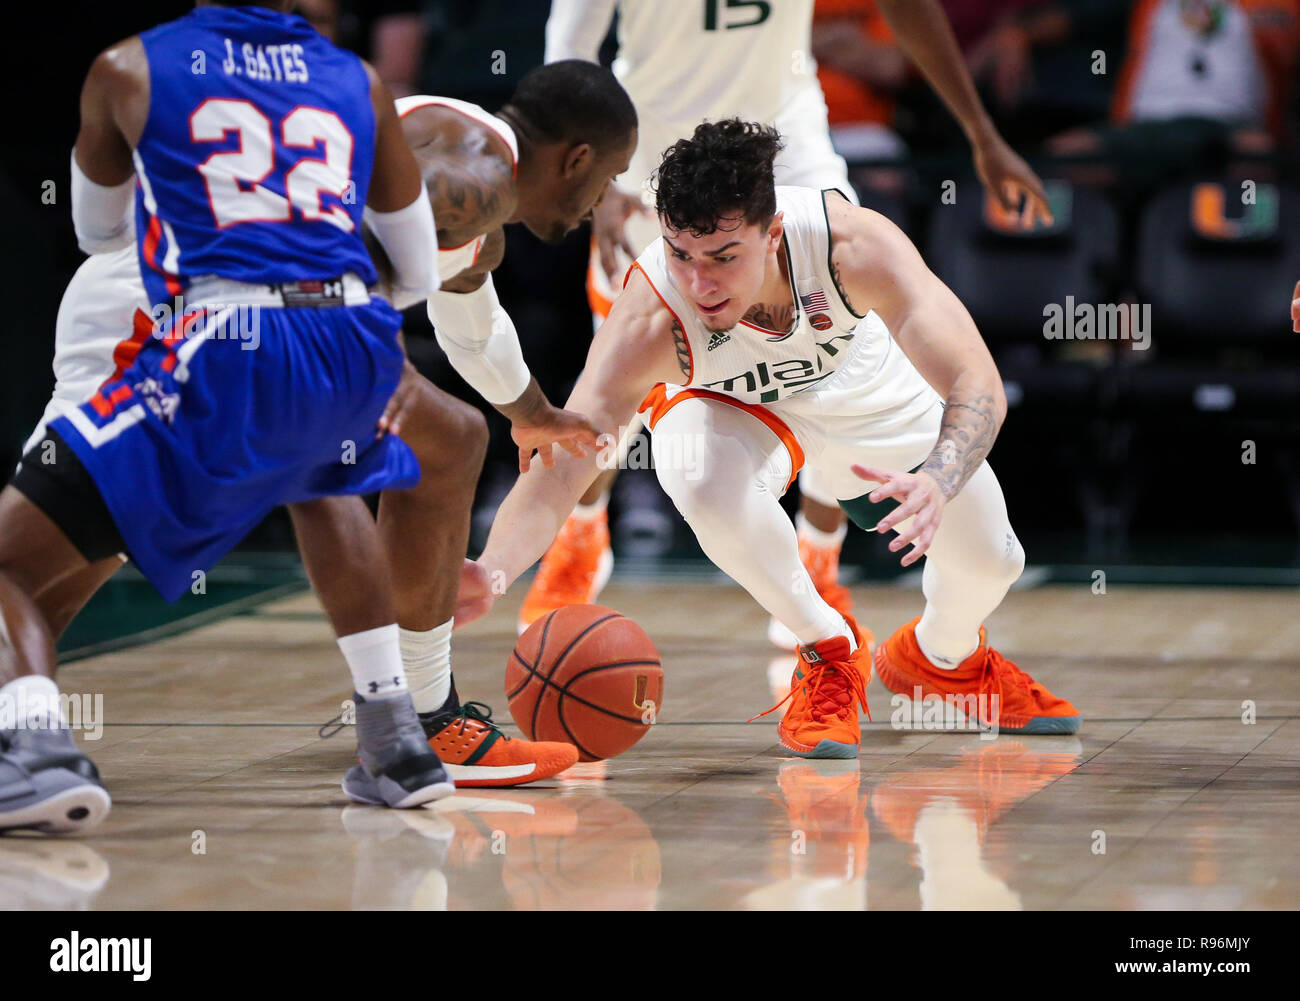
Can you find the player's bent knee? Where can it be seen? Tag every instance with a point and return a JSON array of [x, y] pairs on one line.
[[1000, 562], [446, 433], [701, 499], [1012, 562]]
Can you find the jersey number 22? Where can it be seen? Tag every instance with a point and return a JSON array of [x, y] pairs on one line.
[[234, 178]]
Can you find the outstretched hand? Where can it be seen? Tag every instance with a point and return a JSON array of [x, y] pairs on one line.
[[552, 426], [608, 226], [919, 498]]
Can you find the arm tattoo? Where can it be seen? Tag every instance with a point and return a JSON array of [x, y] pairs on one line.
[[683, 349], [965, 437], [839, 287], [466, 192]]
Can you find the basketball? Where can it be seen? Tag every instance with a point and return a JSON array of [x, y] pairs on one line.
[[587, 675]]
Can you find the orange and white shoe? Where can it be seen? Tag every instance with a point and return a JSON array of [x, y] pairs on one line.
[[477, 754], [574, 570], [999, 693], [823, 566], [828, 685]]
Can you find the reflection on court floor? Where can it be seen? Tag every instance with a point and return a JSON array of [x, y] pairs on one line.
[[1178, 792]]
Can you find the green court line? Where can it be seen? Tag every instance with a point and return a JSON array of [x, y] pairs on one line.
[[225, 610]]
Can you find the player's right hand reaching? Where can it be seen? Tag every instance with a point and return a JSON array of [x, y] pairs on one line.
[[608, 226], [1007, 177], [1295, 308]]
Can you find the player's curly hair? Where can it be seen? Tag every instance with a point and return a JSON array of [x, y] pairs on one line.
[[723, 171]]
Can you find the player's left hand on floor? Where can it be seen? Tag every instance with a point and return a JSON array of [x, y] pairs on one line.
[[572, 432], [919, 498]]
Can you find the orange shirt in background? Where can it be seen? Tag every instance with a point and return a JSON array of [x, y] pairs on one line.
[[849, 101]]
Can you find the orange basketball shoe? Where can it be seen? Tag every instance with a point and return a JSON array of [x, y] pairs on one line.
[[827, 686], [476, 753], [1022, 705], [823, 566], [574, 570]]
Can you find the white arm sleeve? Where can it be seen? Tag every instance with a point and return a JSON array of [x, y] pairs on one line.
[[576, 28], [410, 238], [481, 342], [103, 217]]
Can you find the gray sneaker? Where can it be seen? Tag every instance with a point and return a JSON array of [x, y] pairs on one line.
[[398, 768], [47, 785]]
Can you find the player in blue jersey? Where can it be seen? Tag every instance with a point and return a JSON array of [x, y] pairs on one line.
[[543, 161], [248, 147]]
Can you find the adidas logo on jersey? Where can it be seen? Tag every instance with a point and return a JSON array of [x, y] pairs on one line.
[[718, 338]]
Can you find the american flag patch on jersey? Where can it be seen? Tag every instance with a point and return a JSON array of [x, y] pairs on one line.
[[814, 301]]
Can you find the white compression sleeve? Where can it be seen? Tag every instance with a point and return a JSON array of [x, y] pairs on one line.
[[410, 238], [576, 28], [725, 472], [479, 338], [102, 216]]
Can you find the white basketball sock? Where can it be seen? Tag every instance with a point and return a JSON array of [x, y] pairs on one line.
[[32, 703], [375, 661], [426, 656], [823, 540], [935, 657], [586, 512]]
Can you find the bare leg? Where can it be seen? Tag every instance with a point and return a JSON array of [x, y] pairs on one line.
[[425, 529], [35, 556], [820, 516], [602, 486], [60, 604], [345, 563]]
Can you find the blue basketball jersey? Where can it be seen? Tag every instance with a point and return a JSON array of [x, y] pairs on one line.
[[256, 156]]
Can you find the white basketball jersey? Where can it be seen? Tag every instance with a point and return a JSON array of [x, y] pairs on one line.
[[714, 59], [694, 59], [1184, 71], [95, 316], [761, 366]]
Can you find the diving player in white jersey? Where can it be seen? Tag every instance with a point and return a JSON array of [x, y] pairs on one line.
[[752, 60], [873, 368], [482, 171]]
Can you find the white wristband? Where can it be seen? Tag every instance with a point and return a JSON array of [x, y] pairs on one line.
[[479, 338], [410, 239], [103, 217]]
